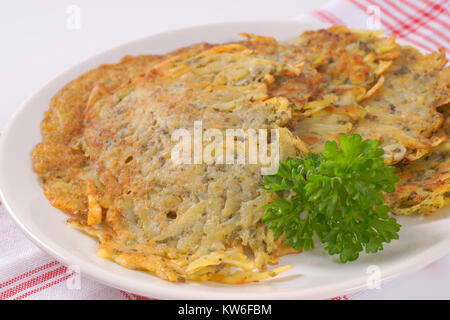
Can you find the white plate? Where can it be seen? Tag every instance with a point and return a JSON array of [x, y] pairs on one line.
[[315, 275]]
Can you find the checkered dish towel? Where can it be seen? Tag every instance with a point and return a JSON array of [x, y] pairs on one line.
[[26, 272]]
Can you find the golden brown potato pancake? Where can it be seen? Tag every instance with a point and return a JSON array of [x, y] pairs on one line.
[[106, 151], [403, 112], [65, 185], [341, 69], [196, 219], [425, 183]]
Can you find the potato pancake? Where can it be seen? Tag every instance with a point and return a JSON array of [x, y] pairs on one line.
[[180, 214], [425, 184], [64, 182], [341, 69], [403, 114], [61, 167], [106, 156]]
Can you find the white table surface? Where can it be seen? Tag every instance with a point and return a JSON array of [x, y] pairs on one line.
[[36, 45]]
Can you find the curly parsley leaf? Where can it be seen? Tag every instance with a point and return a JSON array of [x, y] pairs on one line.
[[335, 195]]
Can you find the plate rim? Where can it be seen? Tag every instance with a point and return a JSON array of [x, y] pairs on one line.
[[95, 271]]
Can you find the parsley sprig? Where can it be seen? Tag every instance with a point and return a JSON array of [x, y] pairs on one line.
[[336, 195]]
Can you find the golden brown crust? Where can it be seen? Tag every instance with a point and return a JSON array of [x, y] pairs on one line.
[[64, 121], [424, 184], [215, 207], [341, 69], [404, 111]]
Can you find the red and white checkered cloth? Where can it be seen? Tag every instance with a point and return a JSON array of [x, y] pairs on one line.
[[26, 272], [424, 23]]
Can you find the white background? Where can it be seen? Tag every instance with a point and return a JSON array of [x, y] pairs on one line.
[[36, 45]]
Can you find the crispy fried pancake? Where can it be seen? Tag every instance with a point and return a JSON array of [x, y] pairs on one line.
[[65, 185], [347, 58], [106, 153], [341, 68], [425, 184], [194, 218], [62, 168], [404, 116], [63, 121], [403, 113]]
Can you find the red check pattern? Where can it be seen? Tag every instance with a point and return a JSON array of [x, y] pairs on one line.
[[424, 23], [28, 273]]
